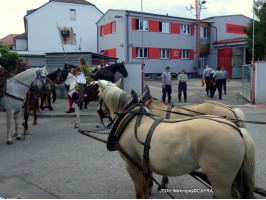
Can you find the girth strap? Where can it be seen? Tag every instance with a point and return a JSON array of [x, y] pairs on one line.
[[168, 112], [146, 153]]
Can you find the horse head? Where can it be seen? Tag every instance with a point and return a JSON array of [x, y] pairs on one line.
[[41, 79], [61, 75], [122, 69]]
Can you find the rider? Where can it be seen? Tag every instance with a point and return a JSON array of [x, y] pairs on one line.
[[82, 79]]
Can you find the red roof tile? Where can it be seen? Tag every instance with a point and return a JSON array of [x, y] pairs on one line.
[[239, 39], [9, 40]]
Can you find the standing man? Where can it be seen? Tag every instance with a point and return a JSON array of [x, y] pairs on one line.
[[167, 84], [224, 76], [217, 83], [206, 74], [182, 86]]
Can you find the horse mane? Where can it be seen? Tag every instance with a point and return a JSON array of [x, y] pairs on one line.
[[22, 75], [114, 98], [53, 75]]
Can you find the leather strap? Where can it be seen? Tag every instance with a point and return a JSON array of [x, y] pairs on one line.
[[146, 153], [168, 112]]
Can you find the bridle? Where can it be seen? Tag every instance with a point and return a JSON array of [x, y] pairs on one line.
[[102, 116], [59, 78]]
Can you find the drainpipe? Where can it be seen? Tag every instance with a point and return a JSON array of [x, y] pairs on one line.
[[252, 65]]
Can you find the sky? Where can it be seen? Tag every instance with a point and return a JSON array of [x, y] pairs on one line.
[[13, 11]]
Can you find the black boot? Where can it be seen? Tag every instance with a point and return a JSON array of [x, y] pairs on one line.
[[71, 110]]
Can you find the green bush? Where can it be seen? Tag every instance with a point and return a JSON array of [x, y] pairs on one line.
[[8, 59]]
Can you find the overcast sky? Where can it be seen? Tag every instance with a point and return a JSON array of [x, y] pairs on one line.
[[13, 11]]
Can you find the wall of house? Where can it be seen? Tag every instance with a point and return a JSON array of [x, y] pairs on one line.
[[21, 44], [43, 34]]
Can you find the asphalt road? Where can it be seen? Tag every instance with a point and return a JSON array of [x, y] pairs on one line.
[[57, 162]]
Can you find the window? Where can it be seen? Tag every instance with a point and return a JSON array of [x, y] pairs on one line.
[[204, 35], [140, 25], [72, 14], [147, 76], [158, 75], [184, 54], [164, 27], [185, 29], [141, 53], [164, 53], [113, 27]]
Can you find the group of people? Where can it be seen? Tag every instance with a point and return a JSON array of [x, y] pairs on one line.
[[215, 79], [167, 85]]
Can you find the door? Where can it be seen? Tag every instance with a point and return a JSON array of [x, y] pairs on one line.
[[225, 59]]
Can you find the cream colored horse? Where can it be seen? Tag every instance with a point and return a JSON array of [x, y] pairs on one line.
[[178, 148], [207, 108]]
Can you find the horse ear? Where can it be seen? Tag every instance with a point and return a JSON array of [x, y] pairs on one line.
[[117, 84], [101, 85]]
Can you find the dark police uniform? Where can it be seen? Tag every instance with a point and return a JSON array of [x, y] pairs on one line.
[[217, 84]]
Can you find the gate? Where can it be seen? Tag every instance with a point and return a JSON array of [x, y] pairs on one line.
[[246, 82]]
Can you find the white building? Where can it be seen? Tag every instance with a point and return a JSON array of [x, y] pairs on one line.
[[76, 20]]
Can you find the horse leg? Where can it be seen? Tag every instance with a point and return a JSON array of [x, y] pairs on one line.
[[9, 117], [35, 116], [77, 111], [42, 100], [26, 117], [164, 183], [49, 102], [16, 117], [137, 178]]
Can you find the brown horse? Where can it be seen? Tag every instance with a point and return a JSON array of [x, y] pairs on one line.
[[223, 151]]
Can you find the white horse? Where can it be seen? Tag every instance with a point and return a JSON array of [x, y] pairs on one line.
[[70, 83], [223, 151], [13, 100]]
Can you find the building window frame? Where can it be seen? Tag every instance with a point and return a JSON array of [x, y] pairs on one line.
[[102, 30], [185, 54], [148, 76], [164, 27], [73, 14], [139, 52], [113, 27], [139, 25], [204, 35], [165, 54], [185, 29]]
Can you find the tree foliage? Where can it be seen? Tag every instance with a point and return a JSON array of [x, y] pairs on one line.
[[260, 31], [8, 59]]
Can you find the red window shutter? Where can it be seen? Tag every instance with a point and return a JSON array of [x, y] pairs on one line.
[[191, 56], [107, 28], [192, 29], [133, 52], [153, 26], [133, 23], [115, 26], [172, 54], [175, 28], [101, 31], [154, 53]]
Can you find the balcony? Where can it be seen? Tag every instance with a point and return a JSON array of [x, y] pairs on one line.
[[204, 40]]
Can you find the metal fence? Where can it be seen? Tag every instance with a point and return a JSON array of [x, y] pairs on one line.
[[246, 82]]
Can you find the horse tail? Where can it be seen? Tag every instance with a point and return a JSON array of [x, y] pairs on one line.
[[54, 95], [240, 115], [245, 178]]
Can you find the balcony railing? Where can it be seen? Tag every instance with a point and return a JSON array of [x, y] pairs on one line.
[[204, 40]]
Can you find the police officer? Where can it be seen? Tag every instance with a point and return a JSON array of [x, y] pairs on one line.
[[206, 74], [182, 86], [167, 84], [217, 83], [224, 76]]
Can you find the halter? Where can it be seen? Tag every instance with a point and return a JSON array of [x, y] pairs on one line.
[[59, 78], [101, 115]]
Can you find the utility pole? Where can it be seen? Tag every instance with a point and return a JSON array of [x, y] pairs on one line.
[[252, 62], [142, 48], [198, 7]]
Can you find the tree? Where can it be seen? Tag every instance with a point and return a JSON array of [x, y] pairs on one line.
[[260, 31], [8, 59]]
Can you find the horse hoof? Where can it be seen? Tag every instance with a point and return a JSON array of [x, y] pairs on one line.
[[76, 126], [34, 123], [19, 138], [9, 142], [50, 108], [97, 126], [26, 132], [14, 135]]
